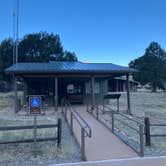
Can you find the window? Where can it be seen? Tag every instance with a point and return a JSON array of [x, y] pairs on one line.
[[74, 89], [70, 88], [97, 87], [88, 87]]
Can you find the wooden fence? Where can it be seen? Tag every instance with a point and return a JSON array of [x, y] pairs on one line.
[[148, 134], [57, 138]]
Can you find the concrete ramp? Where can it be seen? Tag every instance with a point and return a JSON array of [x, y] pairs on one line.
[[103, 144]]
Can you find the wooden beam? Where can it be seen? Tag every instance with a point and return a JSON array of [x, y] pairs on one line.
[[56, 93], [93, 90], [128, 94], [78, 75]]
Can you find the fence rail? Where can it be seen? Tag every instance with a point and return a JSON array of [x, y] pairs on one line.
[[148, 134], [85, 128], [157, 124], [140, 130], [57, 138], [27, 127]]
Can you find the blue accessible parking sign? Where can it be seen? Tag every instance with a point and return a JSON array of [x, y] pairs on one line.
[[35, 104]]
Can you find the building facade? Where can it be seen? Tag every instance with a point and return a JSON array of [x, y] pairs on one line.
[[78, 82]]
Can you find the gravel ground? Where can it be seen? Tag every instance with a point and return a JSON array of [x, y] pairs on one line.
[[143, 104], [47, 152], [131, 137]]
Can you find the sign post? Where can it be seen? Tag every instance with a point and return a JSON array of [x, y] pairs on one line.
[[35, 109], [35, 132]]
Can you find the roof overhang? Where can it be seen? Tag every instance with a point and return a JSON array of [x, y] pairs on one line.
[[68, 68]]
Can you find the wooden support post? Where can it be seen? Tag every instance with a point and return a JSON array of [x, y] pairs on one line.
[[117, 86], [56, 94], [71, 122], [112, 116], [93, 90], [25, 92], [141, 132], [103, 104], [128, 94], [147, 132], [118, 105], [82, 144], [15, 95], [59, 132]]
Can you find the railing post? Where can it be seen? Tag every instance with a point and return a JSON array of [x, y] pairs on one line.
[[118, 105], [71, 122], [147, 132], [16, 95], [87, 108], [141, 132], [62, 105], [112, 116], [97, 113], [65, 112], [103, 105], [59, 132], [82, 144]]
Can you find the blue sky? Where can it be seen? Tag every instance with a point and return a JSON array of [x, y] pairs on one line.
[[116, 31]]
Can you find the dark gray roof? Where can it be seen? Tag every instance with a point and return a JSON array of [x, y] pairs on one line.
[[68, 67]]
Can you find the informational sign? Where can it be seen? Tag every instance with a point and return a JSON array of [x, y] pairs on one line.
[[35, 104]]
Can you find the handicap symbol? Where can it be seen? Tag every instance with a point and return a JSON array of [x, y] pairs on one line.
[[35, 102]]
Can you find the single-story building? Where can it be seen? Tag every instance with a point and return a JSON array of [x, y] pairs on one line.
[[77, 81], [118, 84]]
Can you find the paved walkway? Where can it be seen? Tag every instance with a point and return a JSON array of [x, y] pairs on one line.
[[103, 144], [147, 161]]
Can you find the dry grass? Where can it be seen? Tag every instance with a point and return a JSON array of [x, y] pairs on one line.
[[152, 105], [22, 154], [143, 104]]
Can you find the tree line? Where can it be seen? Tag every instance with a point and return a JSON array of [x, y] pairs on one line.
[[34, 47], [45, 47], [151, 67]]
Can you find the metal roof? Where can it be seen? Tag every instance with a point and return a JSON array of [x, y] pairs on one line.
[[68, 67]]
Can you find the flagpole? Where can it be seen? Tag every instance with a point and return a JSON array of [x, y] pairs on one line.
[[14, 31], [17, 29]]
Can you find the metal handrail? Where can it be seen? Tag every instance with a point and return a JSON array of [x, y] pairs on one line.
[[139, 123], [132, 119], [79, 119], [123, 115]]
